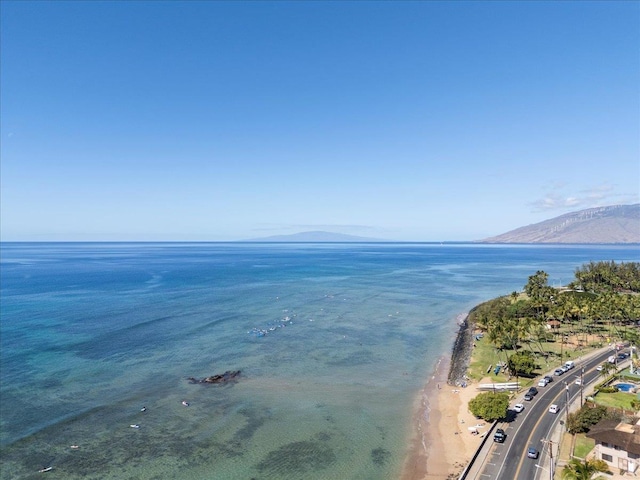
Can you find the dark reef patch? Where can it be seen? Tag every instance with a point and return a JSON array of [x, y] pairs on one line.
[[297, 458], [380, 456]]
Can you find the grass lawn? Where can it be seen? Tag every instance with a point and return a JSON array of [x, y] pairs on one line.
[[583, 445], [617, 400], [485, 354]]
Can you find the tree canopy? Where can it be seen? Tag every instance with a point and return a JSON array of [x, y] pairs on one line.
[[522, 363], [604, 299], [577, 469], [490, 406]]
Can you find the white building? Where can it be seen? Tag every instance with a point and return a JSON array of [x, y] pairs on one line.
[[618, 444]]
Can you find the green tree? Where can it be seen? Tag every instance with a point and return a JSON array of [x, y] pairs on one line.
[[607, 369], [585, 418], [490, 406], [540, 294], [522, 364], [581, 470]]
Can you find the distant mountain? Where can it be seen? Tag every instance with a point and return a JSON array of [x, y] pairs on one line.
[[613, 224], [316, 237]]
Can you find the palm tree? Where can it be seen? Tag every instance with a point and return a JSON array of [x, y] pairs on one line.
[[607, 368], [578, 470]]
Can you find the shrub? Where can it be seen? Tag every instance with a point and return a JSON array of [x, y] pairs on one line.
[[582, 420], [490, 406]]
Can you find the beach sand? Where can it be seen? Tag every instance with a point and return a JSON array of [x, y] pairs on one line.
[[443, 443]]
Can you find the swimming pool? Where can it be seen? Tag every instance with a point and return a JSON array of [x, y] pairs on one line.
[[625, 387]]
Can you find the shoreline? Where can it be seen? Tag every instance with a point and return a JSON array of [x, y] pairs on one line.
[[443, 442]]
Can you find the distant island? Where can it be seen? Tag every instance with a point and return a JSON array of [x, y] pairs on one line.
[[609, 225], [317, 237], [612, 224]]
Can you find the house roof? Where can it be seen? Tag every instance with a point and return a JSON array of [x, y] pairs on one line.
[[623, 435]]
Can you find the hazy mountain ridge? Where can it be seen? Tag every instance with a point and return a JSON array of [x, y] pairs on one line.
[[316, 237], [611, 224]]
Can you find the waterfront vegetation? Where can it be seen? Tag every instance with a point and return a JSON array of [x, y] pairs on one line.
[[490, 406], [529, 332], [547, 325]]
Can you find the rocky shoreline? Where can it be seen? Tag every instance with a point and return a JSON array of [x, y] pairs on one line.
[[461, 354]]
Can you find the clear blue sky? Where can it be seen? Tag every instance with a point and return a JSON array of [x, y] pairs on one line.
[[410, 121]]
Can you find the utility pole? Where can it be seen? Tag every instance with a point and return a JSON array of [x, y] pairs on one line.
[[549, 443]]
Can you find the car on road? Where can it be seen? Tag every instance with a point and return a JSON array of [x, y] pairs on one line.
[[553, 408], [558, 371], [532, 392], [599, 368], [542, 382], [578, 381], [499, 436], [533, 453], [548, 378], [518, 407]]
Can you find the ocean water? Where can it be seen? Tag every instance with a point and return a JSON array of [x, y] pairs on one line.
[[333, 341]]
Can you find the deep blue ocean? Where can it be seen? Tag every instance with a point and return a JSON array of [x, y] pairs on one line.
[[334, 343]]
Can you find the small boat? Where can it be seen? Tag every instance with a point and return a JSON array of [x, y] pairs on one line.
[[46, 469], [135, 425]]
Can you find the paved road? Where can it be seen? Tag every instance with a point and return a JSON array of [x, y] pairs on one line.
[[535, 426]]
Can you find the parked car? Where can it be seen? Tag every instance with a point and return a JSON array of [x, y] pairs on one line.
[[518, 407], [499, 436], [553, 408], [599, 368], [548, 378], [558, 371], [533, 453], [542, 382], [533, 391]]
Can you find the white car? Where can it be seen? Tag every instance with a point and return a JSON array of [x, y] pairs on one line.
[[542, 382], [518, 407], [578, 381], [553, 408], [599, 368]]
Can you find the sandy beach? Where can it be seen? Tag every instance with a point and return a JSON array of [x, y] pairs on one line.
[[443, 442]]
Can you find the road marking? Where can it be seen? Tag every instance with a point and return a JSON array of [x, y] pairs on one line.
[[572, 397], [535, 427]]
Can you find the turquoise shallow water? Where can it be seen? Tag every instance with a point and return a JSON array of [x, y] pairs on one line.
[[91, 333]]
